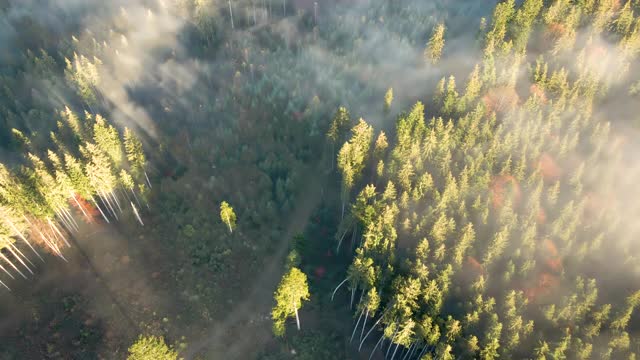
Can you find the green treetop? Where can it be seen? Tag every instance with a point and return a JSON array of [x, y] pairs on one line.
[[433, 52], [291, 292], [151, 348], [227, 215], [388, 99]]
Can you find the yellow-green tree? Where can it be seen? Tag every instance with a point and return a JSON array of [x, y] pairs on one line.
[[433, 52], [151, 348], [227, 215], [388, 100], [291, 292]]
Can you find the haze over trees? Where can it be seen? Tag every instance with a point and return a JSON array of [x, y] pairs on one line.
[[481, 227], [464, 173]]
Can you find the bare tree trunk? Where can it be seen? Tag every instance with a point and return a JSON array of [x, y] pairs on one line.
[[5, 270], [374, 348], [364, 325], [135, 212], [232, 27], [80, 206], [11, 264], [15, 255], [145, 172], [70, 218], [3, 284], [100, 209], [356, 327], [342, 238], [20, 252], [64, 221], [315, 12], [135, 197], [104, 198], [370, 330], [337, 287], [54, 227], [391, 341], [11, 224], [115, 198], [422, 352], [295, 308], [411, 349], [255, 21], [353, 293], [394, 351]]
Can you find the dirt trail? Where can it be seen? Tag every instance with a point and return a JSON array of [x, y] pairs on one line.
[[248, 326]]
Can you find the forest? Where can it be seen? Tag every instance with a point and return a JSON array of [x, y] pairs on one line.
[[299, 179]]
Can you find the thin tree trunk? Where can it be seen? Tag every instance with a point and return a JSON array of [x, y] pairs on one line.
[[106, 199], [374, 348], [424, 349], [71, 218], [135, 197], [232, 27], [5, 270], [353, 236], [11, 264], [394, 351], [356, 327], [364, 325], [391, 341], [295, 308], [3, 284], [115, 198], [337, 287], [80, 206], [15, 255], [50, 244], [360, 300], [342, 238], [20, 252], [135, 212], [284, 8], [64, 221], [100, 209], [411, 349], [370, 330], [255, 22], [353, 293], [54, 227], [229, 225], [23, 237], [145, 171]]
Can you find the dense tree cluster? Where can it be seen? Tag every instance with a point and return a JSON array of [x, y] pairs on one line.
[[91, 169], [477, 232]]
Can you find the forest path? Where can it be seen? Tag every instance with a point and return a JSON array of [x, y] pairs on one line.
[[247, 327]]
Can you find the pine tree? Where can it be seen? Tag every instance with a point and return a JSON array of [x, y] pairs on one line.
[[388, 100], [227, 215], [135, 153], [291, 292], [433, 52], [151, 348]]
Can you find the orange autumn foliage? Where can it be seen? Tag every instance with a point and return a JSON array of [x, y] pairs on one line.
[[474, 265], [503, 186], [538, 92], [549, 168], [89, 209], [501, 99]]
